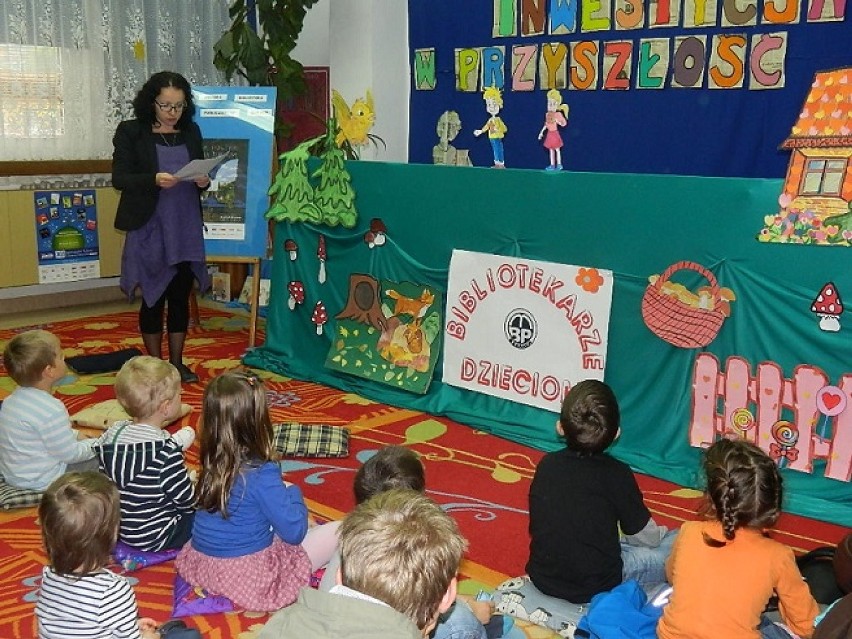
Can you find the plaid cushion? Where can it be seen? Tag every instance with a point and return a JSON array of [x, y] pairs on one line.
[[11, 497], [292, 439]]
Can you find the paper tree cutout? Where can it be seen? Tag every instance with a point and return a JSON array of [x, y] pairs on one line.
[[294, 197], [335, 196], [292, 193]]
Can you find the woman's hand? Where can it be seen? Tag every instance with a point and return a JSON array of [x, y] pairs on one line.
[[165, 180], [202, 182]]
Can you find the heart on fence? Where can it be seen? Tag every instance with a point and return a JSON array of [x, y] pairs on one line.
[[830, 401]]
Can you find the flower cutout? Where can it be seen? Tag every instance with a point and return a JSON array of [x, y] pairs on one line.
[[589, 280]]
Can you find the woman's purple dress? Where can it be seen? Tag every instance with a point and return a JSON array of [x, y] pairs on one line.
[[174, 234]]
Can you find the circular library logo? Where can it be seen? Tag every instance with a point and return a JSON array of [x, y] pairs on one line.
[[520, 328]]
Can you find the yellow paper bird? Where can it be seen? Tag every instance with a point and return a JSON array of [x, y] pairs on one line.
[[354, 123]]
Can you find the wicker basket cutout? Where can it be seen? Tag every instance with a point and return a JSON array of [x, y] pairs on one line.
[[677, 322]]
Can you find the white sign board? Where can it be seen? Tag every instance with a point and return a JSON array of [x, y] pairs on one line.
[[524, 330]]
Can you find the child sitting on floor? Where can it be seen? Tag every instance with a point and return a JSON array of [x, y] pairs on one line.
[[250, 540], [724, 570], [399, 467], [581, 502], [37, 443], [79, 596], [145, 462], [399, 557]]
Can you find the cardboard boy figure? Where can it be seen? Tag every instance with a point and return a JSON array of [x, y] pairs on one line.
[[494, 126]]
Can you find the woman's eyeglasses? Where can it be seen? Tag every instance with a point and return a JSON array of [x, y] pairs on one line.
[[171, 108]]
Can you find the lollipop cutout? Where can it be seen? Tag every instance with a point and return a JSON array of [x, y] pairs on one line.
[[830, 401], [742, 421], [787, 435]]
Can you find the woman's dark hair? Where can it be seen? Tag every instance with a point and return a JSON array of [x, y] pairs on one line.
[[744, 487], [143, 103], [391, 467], [79, 516]]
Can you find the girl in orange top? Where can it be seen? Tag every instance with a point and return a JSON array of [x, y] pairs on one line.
[[724, 571]]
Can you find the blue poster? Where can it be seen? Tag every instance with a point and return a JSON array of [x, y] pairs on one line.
[[66, 235], [709, 88], [237, 123]]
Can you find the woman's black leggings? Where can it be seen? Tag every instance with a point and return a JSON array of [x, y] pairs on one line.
[[175, 299]]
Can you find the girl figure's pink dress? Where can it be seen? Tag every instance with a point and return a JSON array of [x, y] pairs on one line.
[[552, 121]]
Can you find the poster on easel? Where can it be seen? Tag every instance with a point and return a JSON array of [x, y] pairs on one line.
[[236, 122], [66, 235]]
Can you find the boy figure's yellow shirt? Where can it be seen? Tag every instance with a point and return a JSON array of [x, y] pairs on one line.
[[496, 127]]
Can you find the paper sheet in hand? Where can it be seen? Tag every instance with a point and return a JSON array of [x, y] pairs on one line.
[[199, 168]]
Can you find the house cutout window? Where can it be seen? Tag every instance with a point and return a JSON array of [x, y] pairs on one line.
[[823, 176]]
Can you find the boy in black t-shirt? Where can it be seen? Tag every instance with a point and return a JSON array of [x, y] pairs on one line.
[[582, 500]]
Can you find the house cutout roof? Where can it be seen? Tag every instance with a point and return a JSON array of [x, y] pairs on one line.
[[826, 116]]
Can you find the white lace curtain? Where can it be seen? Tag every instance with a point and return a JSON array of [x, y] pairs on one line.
[[70, 68]]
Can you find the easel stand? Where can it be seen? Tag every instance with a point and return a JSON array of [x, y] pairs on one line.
[[254, 298]]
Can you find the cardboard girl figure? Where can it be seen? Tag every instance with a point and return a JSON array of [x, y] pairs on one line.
[[555, 117], [495, 127]]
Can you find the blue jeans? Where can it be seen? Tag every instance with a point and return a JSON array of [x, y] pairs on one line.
[[770, 630], [497, 147], [459, 622], [647, 565]]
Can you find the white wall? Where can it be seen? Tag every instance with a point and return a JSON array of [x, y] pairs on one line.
[[365, 44], [312, 45]]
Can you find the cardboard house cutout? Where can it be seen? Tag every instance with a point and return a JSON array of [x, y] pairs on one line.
[[815, 204]]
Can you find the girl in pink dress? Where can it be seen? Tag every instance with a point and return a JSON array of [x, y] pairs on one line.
[[251, 538], [556, 117]]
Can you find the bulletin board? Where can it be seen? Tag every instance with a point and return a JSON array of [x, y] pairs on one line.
[[708, 88], [237, 122]]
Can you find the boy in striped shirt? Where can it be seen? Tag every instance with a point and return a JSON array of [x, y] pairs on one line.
[[79, 595], [37, 443], [145, 461]]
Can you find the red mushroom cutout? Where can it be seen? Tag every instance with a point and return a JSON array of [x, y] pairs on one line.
[[319, 316], [297, 294], [321, 254], [828, 308], [376, 236], [292, 249]]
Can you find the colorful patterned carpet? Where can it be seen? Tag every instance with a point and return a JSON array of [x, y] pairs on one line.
[[480, 479]]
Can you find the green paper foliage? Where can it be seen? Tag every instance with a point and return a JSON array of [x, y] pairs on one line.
[[292, 193], [294, 198], [334, 195]]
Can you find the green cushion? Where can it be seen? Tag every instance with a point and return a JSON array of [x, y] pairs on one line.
[[293, 439]]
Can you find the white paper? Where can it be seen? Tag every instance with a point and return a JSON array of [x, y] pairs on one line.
[[199, 168]]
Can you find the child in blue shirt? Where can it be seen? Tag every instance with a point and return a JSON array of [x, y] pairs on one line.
[[37, 443], [251, 541]]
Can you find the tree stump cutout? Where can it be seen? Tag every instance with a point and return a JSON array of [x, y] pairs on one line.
[[363, 303]]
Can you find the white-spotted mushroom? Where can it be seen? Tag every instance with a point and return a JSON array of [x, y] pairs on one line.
[[297, 294], [319, 317], [828, 307]]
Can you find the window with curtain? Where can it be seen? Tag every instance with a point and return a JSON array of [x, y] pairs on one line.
[[69, 69]]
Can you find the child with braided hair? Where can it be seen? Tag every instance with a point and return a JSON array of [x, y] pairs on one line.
[[725, 569]]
